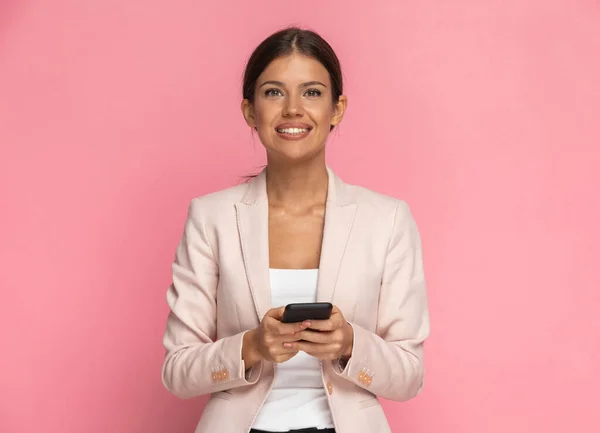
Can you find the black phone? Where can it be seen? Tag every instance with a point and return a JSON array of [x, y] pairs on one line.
[[299, 312]]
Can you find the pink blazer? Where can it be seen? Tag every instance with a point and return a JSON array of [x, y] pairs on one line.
[[370, 267]]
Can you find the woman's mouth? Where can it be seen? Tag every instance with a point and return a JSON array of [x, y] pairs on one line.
[[293, 132]]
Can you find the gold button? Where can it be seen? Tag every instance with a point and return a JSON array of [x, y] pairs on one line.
[[329, 388], [225, 374], [369, 380], [361, 375], [214, 376]]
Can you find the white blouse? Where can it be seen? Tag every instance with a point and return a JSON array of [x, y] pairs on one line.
[[298, 398]]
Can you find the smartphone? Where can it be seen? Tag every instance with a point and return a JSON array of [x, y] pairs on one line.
[[299, 312]]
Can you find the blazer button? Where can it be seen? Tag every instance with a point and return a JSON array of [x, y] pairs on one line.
[[225, 374], [329, 388], [215, 377], [360, 376], [369, 380]]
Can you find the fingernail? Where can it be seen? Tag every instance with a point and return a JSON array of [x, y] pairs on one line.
[[307, 324], [287, 345]]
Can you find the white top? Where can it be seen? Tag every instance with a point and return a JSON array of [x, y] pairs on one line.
[[297, 399]]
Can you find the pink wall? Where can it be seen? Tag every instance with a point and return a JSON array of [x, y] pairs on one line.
[[484, 115]]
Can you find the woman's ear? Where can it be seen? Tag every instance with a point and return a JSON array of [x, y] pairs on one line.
[[338, 110], [248, 113]]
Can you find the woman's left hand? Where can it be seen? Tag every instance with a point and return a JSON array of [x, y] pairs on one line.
[[327, 339]]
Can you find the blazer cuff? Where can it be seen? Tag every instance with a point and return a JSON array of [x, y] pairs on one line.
[[231, 370], [341, 364], [252, 374], [354, 369]]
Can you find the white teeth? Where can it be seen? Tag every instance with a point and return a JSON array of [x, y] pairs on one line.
[[292, 130]]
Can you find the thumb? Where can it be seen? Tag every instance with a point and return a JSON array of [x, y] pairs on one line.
[[276, 313]]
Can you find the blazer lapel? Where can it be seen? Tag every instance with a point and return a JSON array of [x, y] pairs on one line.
[[340, 211], [253, 226]]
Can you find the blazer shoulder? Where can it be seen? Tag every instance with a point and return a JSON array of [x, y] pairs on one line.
[[393, 215], [378, 201], [217, 202]]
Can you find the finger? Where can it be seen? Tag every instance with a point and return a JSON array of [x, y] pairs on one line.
[[276, 340], [321, 337], [324, 325], [279, 328], [273, 320], [290, 345], [335, 321], [320, 351], [282, 347], [288, 338], [275, 313], [286, 348]]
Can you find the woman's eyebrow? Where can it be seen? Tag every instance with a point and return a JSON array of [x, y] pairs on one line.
[[281, 84], [313, 83], [274, 83]]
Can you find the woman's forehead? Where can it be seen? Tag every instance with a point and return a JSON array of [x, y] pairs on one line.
[[295, 69]]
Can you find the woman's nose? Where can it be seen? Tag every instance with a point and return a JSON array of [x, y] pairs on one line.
[[292, 107]]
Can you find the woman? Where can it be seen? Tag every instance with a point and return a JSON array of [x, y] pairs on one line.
[[296, 233]]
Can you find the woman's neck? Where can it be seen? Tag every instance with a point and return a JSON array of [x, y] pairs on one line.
[[297, 185]]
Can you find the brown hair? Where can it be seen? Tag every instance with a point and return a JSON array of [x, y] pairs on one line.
[[286, 42]]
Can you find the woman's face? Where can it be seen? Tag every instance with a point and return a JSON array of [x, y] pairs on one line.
[[293, 108]]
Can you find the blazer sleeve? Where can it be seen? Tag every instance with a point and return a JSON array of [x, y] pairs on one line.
[[389, 362], [195, 362]]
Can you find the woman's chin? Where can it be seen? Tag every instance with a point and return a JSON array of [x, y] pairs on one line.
[[293, 154]]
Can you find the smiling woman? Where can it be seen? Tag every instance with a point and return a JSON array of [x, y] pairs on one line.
[[293, 92], [296, 234]]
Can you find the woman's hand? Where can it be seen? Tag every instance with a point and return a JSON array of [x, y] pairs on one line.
[[272, 340], [327, 339]]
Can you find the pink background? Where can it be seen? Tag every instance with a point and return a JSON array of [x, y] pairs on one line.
[[483, 115]]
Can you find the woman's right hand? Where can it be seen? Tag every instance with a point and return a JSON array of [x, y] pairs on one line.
[[272, 340]]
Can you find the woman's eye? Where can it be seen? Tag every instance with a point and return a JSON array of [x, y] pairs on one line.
[[272, 92], [313, 93]]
